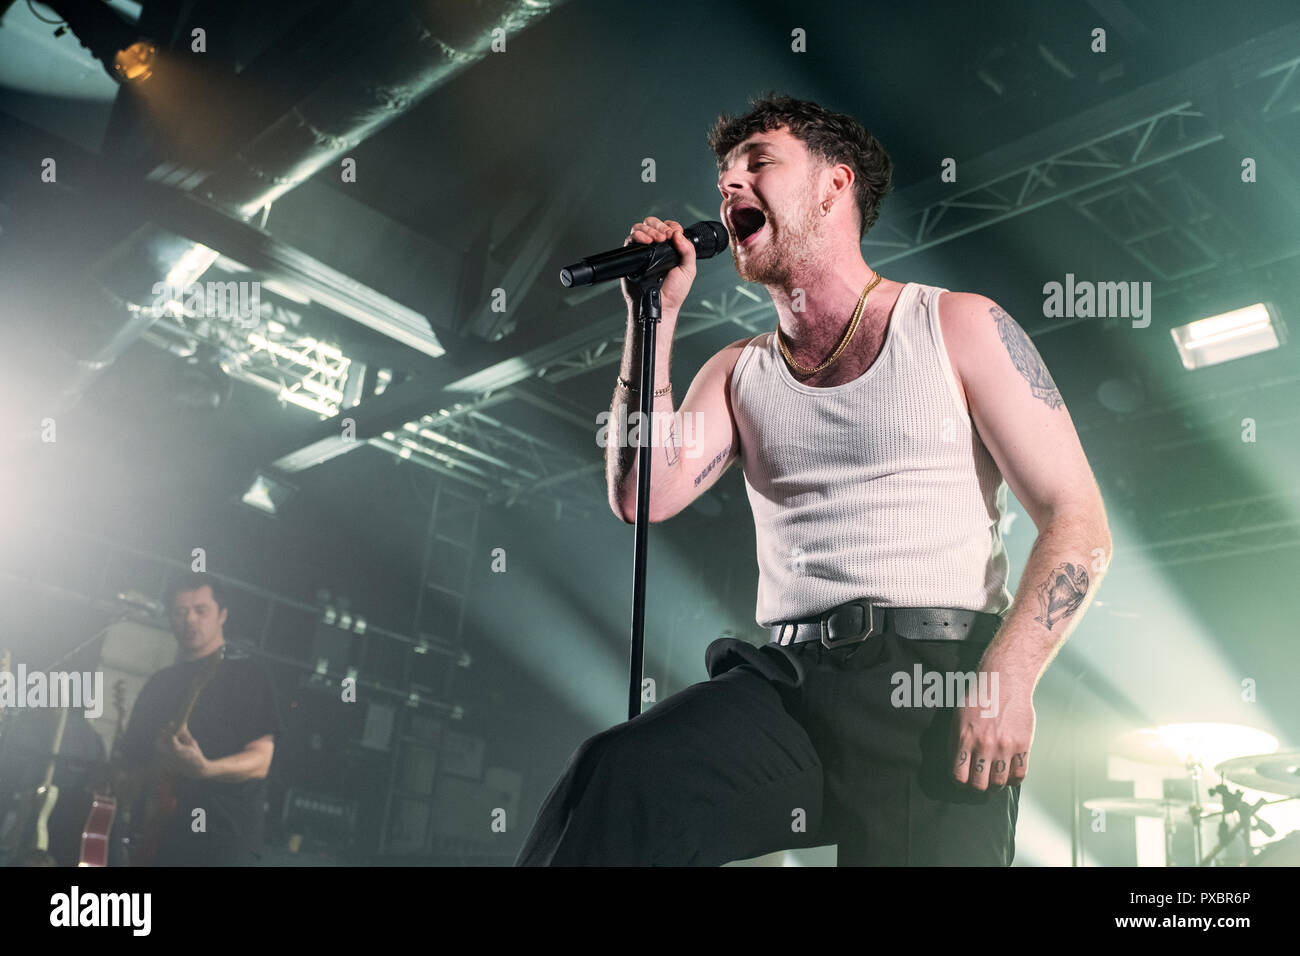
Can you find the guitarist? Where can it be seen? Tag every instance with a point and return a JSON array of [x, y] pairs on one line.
[[217, 760]]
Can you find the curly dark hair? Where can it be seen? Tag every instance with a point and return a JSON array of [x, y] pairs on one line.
[[834, 137]]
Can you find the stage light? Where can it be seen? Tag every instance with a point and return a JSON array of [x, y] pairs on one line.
[[267, 493], [1230, 335], [1205, 743], [128, 57], [135, 63]]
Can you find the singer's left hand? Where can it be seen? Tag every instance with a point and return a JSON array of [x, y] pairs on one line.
[[991, 744]]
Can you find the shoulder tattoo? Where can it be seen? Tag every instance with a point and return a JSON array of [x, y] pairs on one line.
[[1026, 359]]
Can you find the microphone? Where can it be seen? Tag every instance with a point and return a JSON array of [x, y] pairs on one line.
[[644, 258]]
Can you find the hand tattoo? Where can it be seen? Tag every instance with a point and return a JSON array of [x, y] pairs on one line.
[[961, 759], [999, 766], [1026, 359], [1062, 593]]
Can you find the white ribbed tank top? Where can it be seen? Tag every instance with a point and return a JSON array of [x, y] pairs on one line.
[[879, 488]]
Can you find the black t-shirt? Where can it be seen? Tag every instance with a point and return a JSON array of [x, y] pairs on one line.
[[235, 708]]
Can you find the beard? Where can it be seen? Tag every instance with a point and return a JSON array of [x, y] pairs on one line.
[[788, 253]]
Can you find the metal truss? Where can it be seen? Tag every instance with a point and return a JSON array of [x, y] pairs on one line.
[[1165, 223], [269, 352], [1012, 181], [273, 352], [504, 462], [1153, 139], [1250, 525]]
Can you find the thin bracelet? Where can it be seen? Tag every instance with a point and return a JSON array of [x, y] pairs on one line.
[[634, 388]]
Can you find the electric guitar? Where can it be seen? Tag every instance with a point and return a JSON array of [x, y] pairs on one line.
[[103, 805], [29, 840], [159, 802]]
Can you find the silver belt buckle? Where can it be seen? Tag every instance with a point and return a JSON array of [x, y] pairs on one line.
[[868, 616]]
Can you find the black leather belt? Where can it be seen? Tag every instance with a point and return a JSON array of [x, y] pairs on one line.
[[856, 621]]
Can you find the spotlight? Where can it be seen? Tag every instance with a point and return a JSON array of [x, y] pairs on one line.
[[135, 63], [126, 56], [268, 493]]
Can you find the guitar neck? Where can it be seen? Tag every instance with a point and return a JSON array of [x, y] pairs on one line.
[[201, 680], [191, 699], [48, 779]]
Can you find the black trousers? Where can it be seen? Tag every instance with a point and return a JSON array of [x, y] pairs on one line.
[[783, 747]]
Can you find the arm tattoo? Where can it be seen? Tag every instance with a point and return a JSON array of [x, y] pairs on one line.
[[1062, 593], [670, 448], [717, 459], [1026, 359]]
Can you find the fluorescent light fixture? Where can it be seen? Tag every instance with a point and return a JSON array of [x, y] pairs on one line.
[[267, 493], [1230, 335]]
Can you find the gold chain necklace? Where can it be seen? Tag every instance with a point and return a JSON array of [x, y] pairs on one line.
[[848, 334]]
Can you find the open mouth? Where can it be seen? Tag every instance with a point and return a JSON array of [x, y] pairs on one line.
[[747, 221]]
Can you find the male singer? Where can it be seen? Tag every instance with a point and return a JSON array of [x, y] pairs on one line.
[[878, 427]]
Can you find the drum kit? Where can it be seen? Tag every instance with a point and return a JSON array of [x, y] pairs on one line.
[[1190, 748]]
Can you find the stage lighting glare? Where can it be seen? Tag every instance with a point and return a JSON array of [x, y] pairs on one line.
[[1229, 335], [1210, 744], [135, 63]]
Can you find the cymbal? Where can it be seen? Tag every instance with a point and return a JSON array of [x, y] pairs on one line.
[[1150, 807], [1174, 745], [1284, 851], [1271, 773]]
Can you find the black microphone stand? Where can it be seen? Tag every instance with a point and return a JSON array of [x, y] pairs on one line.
[[708, 238], [648, 284]]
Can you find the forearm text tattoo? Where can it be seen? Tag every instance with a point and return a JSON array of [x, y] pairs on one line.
[[717, 460]]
